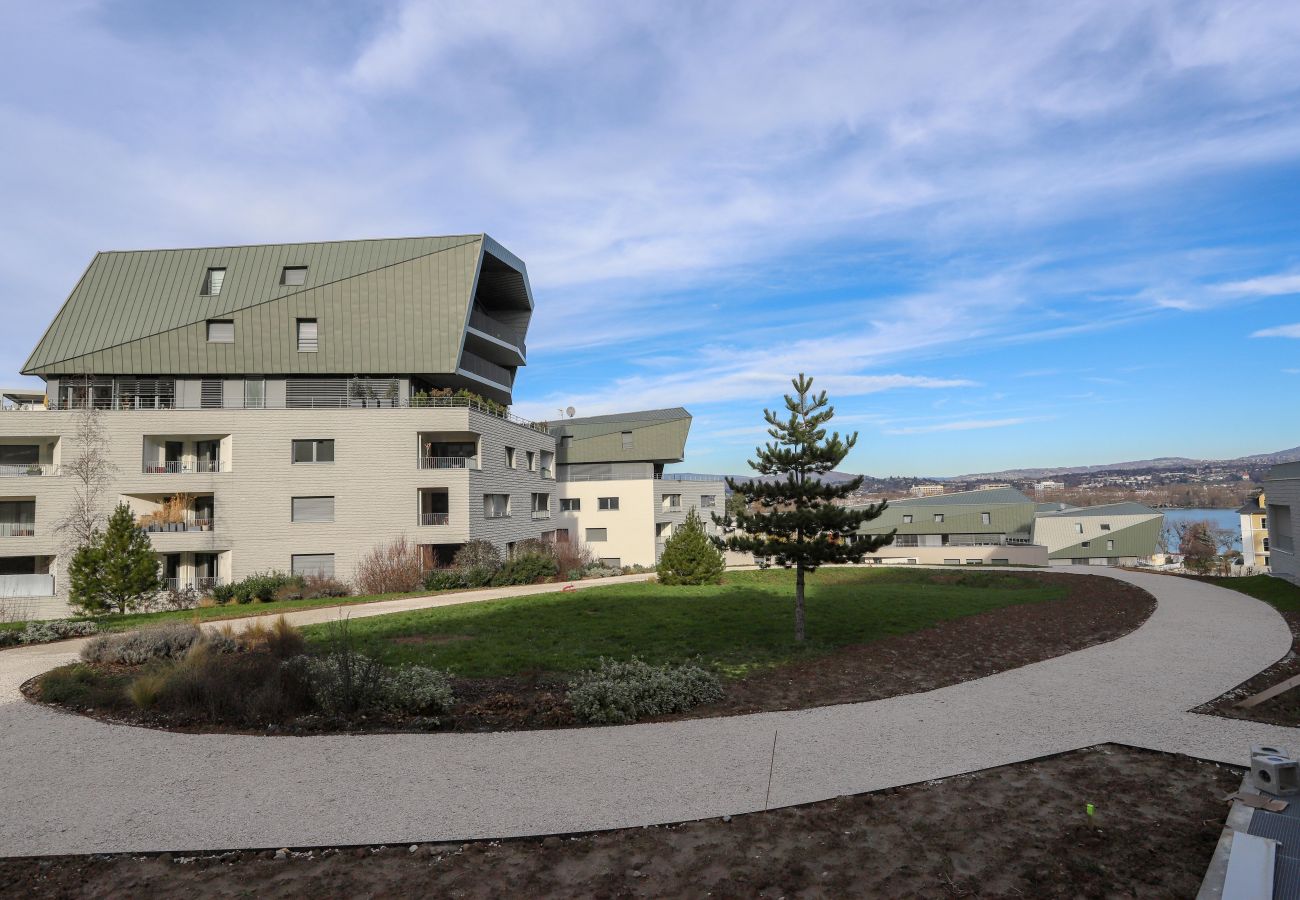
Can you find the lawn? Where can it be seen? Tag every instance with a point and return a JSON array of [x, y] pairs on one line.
[[1281, 594], [743, 624]]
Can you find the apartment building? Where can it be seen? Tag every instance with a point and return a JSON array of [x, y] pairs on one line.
[[1282, 487], [614, 494], [1002, 526], [926, 490], [1254, 533], [280, 407]]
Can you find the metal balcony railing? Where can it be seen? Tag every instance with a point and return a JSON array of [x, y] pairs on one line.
[[481, 321], [23, 586], [180, 467], [481, 367], [196, 523], [28, 469], [435, 518], [541, 514], [202, 585], [448, 462], [17, 529]]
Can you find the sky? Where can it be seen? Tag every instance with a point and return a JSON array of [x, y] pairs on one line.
[[1001, 234]]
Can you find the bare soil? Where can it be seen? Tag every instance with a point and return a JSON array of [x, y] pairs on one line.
[[1283, 709], [1094, 610], [1014, 831]]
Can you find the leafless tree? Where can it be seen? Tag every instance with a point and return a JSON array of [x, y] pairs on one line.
[[91, 469], [1225, 541]]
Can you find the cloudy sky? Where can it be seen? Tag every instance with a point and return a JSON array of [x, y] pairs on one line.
[[1000, 234]]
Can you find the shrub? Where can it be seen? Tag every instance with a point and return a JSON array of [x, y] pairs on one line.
[[223, 593], [179, 598], [392, 568], [528, 568], [571, 556], [315, 586], [56, 630], [419, 689], [689, 556], [133, 648], [477, 576], [82, 686], [8, 637], [442, 580], [145, 690], [248, 689], [263, 586], [342, 683], [478, 555], [622, 692]]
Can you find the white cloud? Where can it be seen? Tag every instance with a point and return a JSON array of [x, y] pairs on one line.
[[1265, 286], [964, 425], [1282, 331]]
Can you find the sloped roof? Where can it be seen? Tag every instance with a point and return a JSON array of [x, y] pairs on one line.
[[397, 304], [658, 435], [1124, 508], [1284, 470], [993, 497]]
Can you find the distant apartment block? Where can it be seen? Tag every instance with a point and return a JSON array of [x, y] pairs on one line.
[[926, 490], [291, 406], [1044, 487], [1001, 526], [1282, 487], [1254, 533]]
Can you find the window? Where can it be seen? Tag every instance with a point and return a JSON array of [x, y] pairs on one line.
[[212, 281], [708, 501], [496, 506], [607, 503], [627, 440], [313, 450], [293, 275], [663, 529], [254, 393], [1110, 545], [573, 504], [672, 501], [510, 457], [1105, 527], [986, 519], [907, 520], [311, 509], [611, 562], [597, 535], [531, 459], [1266, 546], [221, 331], [561, 535], [1263, 524], [313, 565], [952, 562], [938, 517], [907, 540], [1078, 528], [1086, 544], [541, 503], [307, 336], [566, 441]]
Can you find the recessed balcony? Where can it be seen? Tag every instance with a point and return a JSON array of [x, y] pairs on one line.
[[434, 508], [185, 455], [18, 518], [29, 457], [495, 340]]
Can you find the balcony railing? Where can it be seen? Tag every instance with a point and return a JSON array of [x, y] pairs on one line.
[[28, 469], [448, 462], [541, 514], [202, 585], [481, 367], [435, 518], [179, 467], [21, 586], [17, 529], [481, 321], [194, 524], [630, 477], [546, 471], [495, 514]]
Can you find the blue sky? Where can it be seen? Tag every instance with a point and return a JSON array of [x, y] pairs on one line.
[[1000, 234]]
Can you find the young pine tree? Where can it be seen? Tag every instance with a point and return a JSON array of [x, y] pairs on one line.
[[689, 555], [117, 570], [794, 516]]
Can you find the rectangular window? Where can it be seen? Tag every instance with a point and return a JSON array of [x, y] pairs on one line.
[[566, 441], [573, 504], [312, 509], [597, 535], [627, 440], [254, 393], [986, 519], [312, 450], [907, 520], [1105, 527], [510, 457], [1110, 545], [607, 503], [1078, 528], [307, 336], [313, 565], [531, 458], [221, 331], [672, 501], [1086, 544], [496, 506], [708, 501], [952, 562], [293, 276], [212, 282], [541, 503], [938, 517]]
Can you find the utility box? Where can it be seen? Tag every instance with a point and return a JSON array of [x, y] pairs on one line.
[[1277, 775]]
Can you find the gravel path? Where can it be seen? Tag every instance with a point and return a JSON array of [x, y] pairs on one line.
[[75, 785]]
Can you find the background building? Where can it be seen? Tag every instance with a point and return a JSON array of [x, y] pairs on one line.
[[1114, 534], [1254, 533], [1283, 489]]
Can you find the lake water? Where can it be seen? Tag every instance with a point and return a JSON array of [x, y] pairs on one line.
[[1222, 518]]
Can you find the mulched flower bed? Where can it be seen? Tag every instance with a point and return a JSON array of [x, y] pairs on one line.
[[1013, 831], [1283, 709], [1095, 609]]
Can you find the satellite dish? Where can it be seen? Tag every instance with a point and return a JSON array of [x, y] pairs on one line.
[[570, 411]]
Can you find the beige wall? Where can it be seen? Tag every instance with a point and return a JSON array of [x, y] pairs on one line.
[[631, 529], [375, 481]]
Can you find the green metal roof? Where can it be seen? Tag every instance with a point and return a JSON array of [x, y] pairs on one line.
[[383, 306], [1284, 470], [657, 435], [1124, 508], [1009, 511]]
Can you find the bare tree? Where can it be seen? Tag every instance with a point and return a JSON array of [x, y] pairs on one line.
[[91, 469], [1225, 541]]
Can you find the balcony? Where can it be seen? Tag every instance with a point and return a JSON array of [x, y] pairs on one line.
[[541, 514], [495, 340], [17, 529], [190, 523], [435, 518], [486, 373], [202, 585], [23, 470], [448, 462], [24, 586], [180, 467]]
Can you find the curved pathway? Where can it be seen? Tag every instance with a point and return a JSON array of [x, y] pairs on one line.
[[75, 785]]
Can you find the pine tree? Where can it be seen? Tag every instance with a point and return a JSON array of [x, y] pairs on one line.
[[117, 570], [794, 517], [689, 555]]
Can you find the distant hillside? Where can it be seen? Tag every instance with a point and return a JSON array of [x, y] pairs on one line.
[[1161, 462], [831, 477]]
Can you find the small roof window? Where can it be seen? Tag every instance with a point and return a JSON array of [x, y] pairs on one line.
[[212, 281], [293, 276]]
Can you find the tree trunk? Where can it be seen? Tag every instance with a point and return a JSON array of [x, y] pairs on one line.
[[798, 603]]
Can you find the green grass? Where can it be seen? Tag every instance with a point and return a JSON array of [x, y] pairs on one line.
[[1281, 594], [742, 624]]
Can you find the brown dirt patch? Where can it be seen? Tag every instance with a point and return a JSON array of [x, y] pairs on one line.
[[1014, 831], [1283, 709]]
